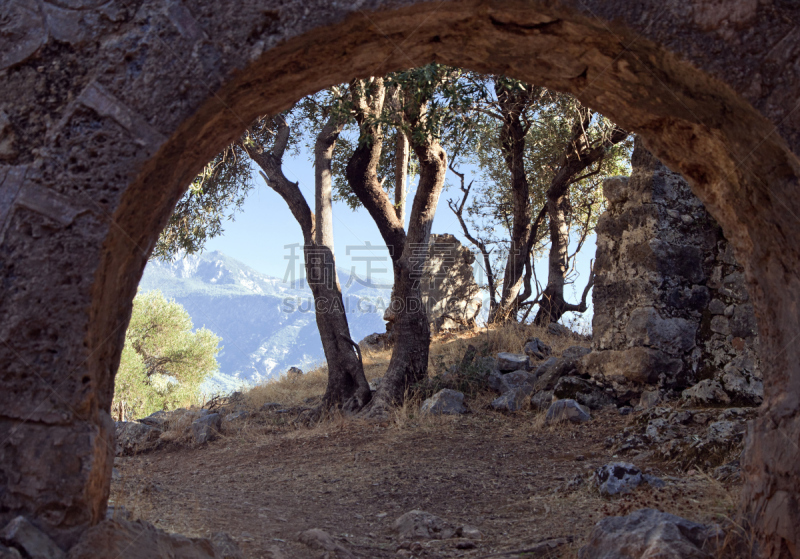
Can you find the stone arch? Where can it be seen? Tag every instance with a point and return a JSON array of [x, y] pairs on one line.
[[110, 108]]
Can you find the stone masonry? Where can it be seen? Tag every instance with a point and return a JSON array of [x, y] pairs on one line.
[[670, 304]]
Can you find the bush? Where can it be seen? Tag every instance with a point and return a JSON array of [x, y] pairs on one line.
[[163, 362]]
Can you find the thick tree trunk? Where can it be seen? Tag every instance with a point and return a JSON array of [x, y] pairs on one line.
[[552, 305], [409, 362], [512, 143], [347, 385]]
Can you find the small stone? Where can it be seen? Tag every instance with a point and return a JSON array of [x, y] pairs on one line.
[[625, 410], [649, 399], [537, 349], [508, 362], [567, 410], [466, 544], [617, 478], [421, 525], [444, 402], [706, 392]]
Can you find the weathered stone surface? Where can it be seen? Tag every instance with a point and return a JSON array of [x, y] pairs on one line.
[[628, 371], [110, 147], [157, 419], [9, 553], [139, 540], [316, 538], [508, 362], [537, 349], [667, 281], [617, 478], [134, 438], [567, 410], [514, 399], [294, 372], [706, 392], [575, 352], [206, 428], [548, 373], [449, 291], [650, 398], [518, 379], [541, 400], [556, 329], [583, 391], [421, 525], [649, 534], [444, 402], [25, 537]]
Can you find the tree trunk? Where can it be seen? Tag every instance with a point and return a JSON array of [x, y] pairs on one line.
[[512, 144], [347, 386], [552, 305], [409, 362], [401, 157]]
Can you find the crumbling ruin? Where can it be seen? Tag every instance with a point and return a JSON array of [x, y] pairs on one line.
[[109, 109], [671, 307]]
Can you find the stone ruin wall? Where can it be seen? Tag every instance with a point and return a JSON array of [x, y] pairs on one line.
[[670, 304]]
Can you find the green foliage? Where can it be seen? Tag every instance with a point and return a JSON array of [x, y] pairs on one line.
[[163, 362]]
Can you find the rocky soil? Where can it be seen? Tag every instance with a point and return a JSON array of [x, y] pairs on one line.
[[498, 482]]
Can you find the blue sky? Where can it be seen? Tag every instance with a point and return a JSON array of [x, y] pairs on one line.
[[264, 227]]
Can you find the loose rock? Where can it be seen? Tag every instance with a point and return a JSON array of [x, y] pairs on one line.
[[444, 402], [567, 410], [575, 352], [541, 400], [135, 438], [515, 399], [706, 392], [421, 525], [537, 349], [508, 362], [649, 534], [556, 329], [617, 478], [206, 428]]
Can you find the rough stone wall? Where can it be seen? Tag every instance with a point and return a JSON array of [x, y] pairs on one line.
[[670, 301], [449, 291], [110, 107]]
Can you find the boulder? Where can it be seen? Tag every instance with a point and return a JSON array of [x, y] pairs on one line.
[[575, 352], [582, 391], [537, 349], [541, 400], [444, 402], [135, 438], [617, 478], [421, 525], [32, 542], [206, 428], [236, 416], [507, 362], [706, 392], [294, 372], [514, 399], [495, 381], [567, 410], [113, 538], [649, 534]]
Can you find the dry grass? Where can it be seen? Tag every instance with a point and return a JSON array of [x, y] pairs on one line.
[[445, 351]]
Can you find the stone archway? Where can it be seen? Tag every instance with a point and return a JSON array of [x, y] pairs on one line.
[[110, 107]]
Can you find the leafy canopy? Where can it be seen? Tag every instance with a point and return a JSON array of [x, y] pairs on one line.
[[163, 362]]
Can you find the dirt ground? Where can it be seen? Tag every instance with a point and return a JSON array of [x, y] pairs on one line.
[[507, 475]]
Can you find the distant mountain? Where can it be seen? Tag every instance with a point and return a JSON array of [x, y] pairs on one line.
[[266, 325]]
